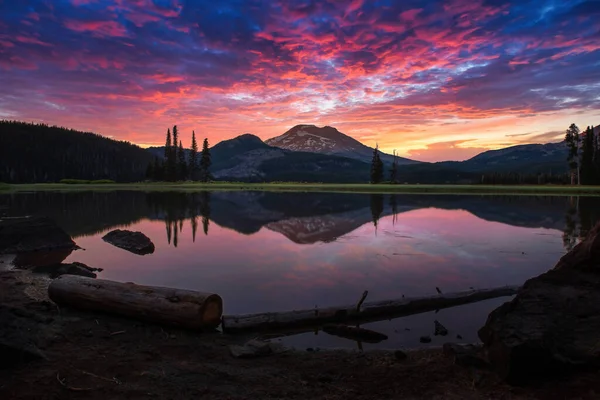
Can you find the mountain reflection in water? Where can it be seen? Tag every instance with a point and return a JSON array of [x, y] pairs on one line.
[[304, 218], [264, 251]]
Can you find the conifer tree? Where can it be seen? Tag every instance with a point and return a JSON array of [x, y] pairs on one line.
[[572, 141], [193, 159], [205, 162], [168, 157], [182, 165], [587, 157], [394, 169], [376, 167], [175, 154]]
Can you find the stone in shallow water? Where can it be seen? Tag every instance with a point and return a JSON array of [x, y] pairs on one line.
[[27, 234], [135, 242], [553, 323]]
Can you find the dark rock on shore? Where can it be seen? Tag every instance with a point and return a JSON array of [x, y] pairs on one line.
[[17, 338], [465, 355], [135, 242], [27, 234], [552, 325], [74, 268]]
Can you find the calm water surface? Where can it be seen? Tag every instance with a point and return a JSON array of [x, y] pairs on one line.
[[282, 251]]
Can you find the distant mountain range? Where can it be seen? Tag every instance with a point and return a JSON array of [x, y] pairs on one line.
[[305, 153], [311, 154]]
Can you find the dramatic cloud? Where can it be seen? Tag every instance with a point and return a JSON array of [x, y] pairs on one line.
[[433, 79]]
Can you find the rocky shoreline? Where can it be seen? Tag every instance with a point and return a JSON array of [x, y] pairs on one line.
[[51, 352]]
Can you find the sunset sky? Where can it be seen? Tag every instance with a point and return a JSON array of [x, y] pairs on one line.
[[436, 80]]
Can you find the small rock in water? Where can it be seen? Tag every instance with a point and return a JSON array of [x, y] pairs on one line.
[[310, 349], [135, 242], [400, 355], [425, 339], [440, 330], [458, 337]]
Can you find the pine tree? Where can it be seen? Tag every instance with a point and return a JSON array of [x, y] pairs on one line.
[[572, 141], [394, 170], [175, 155], [182, 165], [205, 162], [168, 170], [193, 159], [587, 157], [596, 156], [376, 167]]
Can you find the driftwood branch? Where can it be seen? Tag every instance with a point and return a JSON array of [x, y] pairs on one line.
[[369, 312], [362, 300]]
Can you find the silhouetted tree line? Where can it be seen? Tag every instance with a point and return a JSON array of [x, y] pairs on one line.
[[41, 153], [175, 166], [584, 155]]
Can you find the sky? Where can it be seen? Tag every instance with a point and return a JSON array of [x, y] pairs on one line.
[[435, 80]]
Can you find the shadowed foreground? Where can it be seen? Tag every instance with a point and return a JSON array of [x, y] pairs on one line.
[[96, 356]]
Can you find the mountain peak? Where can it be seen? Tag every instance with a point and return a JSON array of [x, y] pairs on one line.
[[248, 138], [327, 140]]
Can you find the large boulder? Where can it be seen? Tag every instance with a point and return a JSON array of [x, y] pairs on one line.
[[553, 324], [27, 234], [135, 242]]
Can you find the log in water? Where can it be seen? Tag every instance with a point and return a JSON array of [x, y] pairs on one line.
[[177, 307], [372, 311]]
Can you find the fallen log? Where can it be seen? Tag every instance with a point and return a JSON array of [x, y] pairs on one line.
[[354, 333], [373, 311], [177, 307]]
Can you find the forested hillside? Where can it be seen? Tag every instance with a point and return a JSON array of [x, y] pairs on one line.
[[42, 153]]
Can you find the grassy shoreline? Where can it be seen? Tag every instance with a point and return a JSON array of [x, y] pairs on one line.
[[553, 190]]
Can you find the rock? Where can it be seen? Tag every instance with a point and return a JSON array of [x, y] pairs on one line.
[[425, 339], [465, 355], [74, 268], [255, 348], [135, 242], [27, 234], [459, 337], [400, 355], [18, 338], [552, 324], [440, 330]]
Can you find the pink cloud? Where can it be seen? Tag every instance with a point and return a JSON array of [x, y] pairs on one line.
[[98, 28]]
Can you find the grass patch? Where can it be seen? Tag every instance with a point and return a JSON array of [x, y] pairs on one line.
[[4, 186], [539, 190], [85, 182]]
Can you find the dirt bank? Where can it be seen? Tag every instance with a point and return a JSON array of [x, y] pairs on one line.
[[96, 356]]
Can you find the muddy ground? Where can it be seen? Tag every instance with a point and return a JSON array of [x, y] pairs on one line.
[[96, 356]]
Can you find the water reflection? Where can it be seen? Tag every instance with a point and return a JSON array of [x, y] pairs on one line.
[[304, 218], [279, 251]]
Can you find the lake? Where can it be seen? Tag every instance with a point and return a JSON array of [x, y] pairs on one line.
[[267, 251]]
